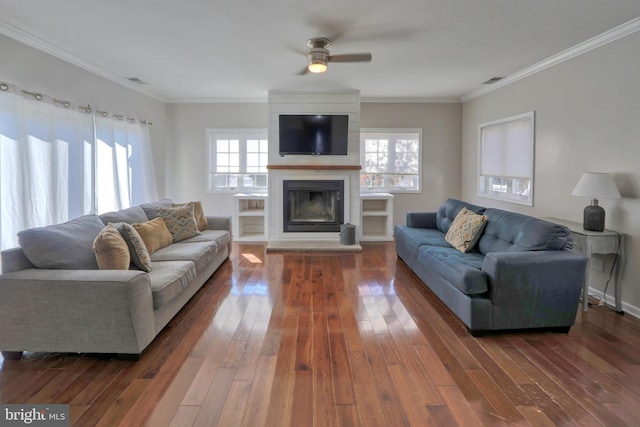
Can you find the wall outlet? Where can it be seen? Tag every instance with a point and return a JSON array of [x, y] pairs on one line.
[[597, 264]]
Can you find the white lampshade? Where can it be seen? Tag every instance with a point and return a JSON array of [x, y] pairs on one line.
[[597, 185]]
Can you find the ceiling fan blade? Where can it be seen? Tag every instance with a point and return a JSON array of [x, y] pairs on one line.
[[302, 72], [351, 57], [332, 29], [295, 49]]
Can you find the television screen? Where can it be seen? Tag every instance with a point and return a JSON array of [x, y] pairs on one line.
[[316, 134]]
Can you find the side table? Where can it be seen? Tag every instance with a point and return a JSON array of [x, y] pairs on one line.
[[596, 242]]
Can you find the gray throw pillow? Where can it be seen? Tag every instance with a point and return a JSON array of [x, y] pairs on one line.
[[140, 257], [150, 208], [130, 215], [63, 246]]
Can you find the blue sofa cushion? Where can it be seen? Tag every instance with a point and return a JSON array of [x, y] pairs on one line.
[[409, 240], [462, 270], [448, 211], [423, 236], [514, 232]]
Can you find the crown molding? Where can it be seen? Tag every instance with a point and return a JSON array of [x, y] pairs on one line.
[[579, 49], [247, 100], [410, 99], [36, 42]]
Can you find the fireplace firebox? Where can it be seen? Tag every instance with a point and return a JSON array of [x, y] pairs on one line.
[[313, 205]]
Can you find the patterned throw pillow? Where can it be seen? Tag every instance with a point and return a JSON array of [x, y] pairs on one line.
[[154, 234], [139, 254], [466, 229], [180, 221], [112, 252], [198, 212]]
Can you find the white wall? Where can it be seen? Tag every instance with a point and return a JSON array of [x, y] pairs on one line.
[[441, 154], [35, 70], [186, 153], [587, 119]]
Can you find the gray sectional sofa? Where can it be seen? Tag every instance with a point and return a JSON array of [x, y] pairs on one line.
[[521, 274], [102, 311]]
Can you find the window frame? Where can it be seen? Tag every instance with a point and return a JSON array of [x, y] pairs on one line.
[[242, 135], [364, 189], [511, 182]]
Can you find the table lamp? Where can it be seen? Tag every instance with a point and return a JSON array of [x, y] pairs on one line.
[[595, 185]]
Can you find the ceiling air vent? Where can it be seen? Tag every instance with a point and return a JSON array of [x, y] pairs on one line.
[[492, 80], [136, 80]]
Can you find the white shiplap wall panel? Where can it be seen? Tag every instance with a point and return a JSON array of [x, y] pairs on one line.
[[342, 102]]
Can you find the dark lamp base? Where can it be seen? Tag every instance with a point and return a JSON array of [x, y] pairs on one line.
[[593, 219]]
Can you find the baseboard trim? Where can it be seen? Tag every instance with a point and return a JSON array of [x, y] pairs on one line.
[[610, 302]]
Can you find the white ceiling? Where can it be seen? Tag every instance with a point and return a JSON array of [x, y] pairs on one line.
[[220, 50]]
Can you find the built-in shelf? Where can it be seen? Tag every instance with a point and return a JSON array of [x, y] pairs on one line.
[[376, 212], [250, 217]]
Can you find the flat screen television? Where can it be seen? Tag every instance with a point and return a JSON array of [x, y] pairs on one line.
[[314, 134]]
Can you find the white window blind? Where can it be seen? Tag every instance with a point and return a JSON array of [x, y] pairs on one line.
[[506, 149]]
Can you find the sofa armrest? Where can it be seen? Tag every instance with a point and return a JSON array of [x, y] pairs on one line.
[[534, 288], [221, 223], [421, 219], [14, 259], [93, 311]]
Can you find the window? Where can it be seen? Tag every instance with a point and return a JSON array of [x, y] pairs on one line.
[[505, 159], [237, 159], [390, 160]]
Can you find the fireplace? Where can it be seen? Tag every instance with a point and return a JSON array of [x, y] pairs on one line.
[[313, 205]]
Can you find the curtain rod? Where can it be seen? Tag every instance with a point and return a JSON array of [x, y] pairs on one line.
[[6, 87]]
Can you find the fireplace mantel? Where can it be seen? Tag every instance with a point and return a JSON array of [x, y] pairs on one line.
[[315, 167]]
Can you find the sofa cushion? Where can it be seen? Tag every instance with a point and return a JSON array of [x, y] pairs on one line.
[[200, 253], [466, 229], [129, 215], [462, 270], [139, 254], [169, 279], [198, 212], [154, 234], [448, 211], [514, 232], [112, 252], [221, 237], [181, 222], [408, 241], [65, 246], [150, 208]]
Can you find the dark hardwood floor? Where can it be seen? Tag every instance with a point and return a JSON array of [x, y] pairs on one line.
[[310, 339]]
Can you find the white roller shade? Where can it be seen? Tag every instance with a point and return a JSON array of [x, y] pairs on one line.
[[507, 148]]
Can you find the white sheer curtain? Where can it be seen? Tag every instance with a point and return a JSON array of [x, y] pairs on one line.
[[124, 168], [58, 163]]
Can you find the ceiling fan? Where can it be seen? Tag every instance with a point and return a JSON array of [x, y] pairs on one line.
[[318, 56]]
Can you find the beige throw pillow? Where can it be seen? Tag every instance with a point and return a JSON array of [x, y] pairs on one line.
[[466, 229], [112, 252], [198, 212], [154, 234]]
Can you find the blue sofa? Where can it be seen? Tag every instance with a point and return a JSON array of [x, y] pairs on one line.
[[521, 274]]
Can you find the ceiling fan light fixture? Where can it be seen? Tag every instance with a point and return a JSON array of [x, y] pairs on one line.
[[318, 58], [317, 66]]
